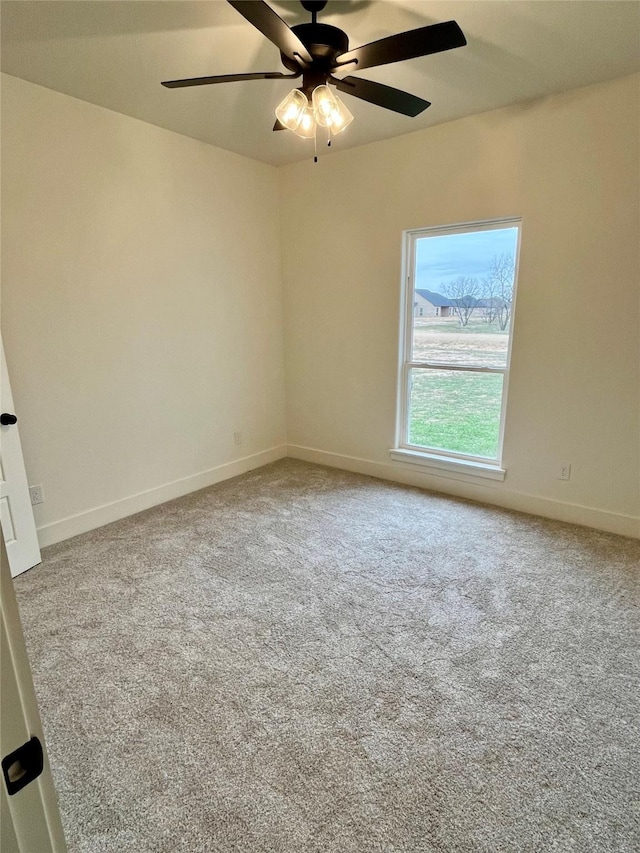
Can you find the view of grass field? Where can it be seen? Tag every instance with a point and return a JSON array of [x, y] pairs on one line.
[[451, 409]]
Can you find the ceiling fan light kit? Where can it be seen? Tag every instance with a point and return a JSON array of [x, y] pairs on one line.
[[302, 117], [316, 52]]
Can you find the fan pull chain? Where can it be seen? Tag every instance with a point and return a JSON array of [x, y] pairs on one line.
[[328, 136], [315, 145]]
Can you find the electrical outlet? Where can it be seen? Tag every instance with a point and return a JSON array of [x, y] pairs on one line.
[[237, 438], [36, 493], [564, 471]]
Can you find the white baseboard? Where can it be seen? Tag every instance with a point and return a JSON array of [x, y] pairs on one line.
[[624, 525], [57, 531]]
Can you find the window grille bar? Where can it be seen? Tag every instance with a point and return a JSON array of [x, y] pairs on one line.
[[434, 365]]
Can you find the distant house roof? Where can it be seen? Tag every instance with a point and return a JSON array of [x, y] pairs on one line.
[[436, 299]]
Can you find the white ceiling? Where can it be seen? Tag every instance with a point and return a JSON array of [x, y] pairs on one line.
[[115, 53]]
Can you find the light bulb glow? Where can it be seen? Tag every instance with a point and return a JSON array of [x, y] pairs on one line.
[[339, 118], [306, 127], [290, 110], [290, 114], [324, 105]]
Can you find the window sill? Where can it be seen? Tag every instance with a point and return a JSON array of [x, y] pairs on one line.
[[435, 464]]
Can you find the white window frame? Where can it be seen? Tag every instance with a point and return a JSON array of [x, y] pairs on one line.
[[436, 460]]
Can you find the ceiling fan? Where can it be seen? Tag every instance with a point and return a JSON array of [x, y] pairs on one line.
[[316, 52]]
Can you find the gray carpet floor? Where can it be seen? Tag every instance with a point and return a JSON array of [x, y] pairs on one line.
[[303, 659]]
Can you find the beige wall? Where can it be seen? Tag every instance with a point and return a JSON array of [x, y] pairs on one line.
[[132, 263], [569, 166], [133, 259]]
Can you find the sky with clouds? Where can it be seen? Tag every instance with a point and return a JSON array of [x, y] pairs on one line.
[[442, 259]]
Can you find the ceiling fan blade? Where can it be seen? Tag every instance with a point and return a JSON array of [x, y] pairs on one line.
[[226, 78], [413, 43], [278, 125], [383, 96], [274, 28]]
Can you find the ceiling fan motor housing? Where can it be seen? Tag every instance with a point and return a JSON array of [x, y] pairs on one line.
[[313, 6], [324, 42]]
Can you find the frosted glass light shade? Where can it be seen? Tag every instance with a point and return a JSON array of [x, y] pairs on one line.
[[290, 110], [306, 127], [329, 110], [324, 105], [339, 118]]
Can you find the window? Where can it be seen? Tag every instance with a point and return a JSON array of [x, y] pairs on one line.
[[455, 363]]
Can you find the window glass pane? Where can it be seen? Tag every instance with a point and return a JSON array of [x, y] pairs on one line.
[[463, 296], [455, 410]]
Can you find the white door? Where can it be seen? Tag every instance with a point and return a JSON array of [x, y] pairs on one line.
[[16, 512], [29, 808]]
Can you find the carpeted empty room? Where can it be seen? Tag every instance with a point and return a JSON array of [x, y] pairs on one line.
[[304, 659]]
